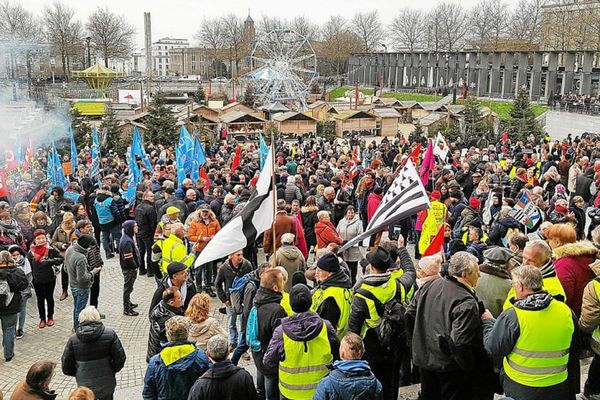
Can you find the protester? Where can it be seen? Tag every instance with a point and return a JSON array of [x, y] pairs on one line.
[[289, 257], [146, 219], [21, 262], [170, 306], [130, 260], [36, 385], [348, 228], [203, 324], [174, 249], [93, 355], [203, 228], [177, 276], [15, 282]]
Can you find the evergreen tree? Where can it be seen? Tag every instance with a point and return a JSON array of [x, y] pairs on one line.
[[81, 129], [249, 99], [472, 116], [418, 135], [161, 122], [522, 121], [450, 130], [200, 95], [111, 134]]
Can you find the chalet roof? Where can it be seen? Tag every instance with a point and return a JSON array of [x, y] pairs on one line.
[[274, 107], [386, 112], [128, 122], [353, 114], [432, 118], [316, 104], [234, 116], [292, 115]]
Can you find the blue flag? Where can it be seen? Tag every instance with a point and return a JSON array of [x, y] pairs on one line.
[[59, 174], [134, 171], [198, 159], [74, 161], [264, 151], [50, 169], [139, 151], [95, 153], [184, 154]]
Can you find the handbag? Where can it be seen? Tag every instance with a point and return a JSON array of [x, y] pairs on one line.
[[56, 269]]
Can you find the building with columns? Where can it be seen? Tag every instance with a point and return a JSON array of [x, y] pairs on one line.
[[487, 74]]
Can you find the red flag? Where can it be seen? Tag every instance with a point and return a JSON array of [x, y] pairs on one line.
[[356, 154], [414, 155], [10, 161], [3, 187], [505, 136], [237, 159], [428, 164], [205, 177], [28, 156], [352, 171], [436, 244]]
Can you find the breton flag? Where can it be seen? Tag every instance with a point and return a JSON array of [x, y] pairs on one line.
[[404, 198], [255, 218], [440, 148], [526, 212], [487, 210]]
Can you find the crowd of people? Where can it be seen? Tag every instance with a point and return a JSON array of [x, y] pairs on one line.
[[499, 307]]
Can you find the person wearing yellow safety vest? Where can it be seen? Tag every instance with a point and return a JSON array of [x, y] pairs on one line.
[[432, 221], [539, 254], [269, 314], [589, 322], [537, 340], [365, 315], [332, 297], [174, 249], [302, 347]]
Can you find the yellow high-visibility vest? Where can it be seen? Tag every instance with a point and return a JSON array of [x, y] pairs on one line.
[[343, 299]]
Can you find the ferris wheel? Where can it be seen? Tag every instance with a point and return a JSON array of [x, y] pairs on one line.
[[283, 65]]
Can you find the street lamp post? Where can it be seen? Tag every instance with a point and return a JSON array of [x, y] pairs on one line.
[[89, 56]]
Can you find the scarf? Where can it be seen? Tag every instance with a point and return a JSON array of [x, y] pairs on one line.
[[39, 251], [561, 209], [10, 229]]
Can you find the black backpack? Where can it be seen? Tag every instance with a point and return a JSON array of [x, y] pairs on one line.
[[391, 329]]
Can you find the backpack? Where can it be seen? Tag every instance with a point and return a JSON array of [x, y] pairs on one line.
[[252, 331], [6, 295], [236, 292], [391, 328]]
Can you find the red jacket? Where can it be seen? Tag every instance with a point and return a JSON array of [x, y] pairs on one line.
[[572, 265], [326, 233], [373, 202]]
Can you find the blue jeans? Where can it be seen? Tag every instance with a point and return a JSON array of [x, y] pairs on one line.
[[22, 314], [109, 238], [233, 330], [80, 299], [9, 328]]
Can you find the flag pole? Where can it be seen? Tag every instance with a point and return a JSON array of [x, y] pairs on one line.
[[274, 200]]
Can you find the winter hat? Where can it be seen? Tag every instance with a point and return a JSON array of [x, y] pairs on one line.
[[474, 202], [179, 194], [175, 267], [39, 232], [287, 238], [380, 258], [329, 262], [497, 255], [85, 241], [300, 298], [436, 195]]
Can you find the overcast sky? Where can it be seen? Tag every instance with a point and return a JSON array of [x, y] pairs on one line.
[[180, 18]]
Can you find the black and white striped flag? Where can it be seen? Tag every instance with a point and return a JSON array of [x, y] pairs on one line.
[[404, 198], [255, 218]]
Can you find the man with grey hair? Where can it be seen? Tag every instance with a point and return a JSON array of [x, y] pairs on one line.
[[289, 257], [539, 254], [224, 380], [172, 372], [446, 343], [94, 354], [536, 338]]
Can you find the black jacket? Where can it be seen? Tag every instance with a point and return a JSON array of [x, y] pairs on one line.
[[447, 334], [270, 313], [583, 185], [500, 228], [225, 276], [42, 271], [146, 219], [158, 334], [224, 381], [164, 285], [329, 309], [93, 355], [17, 281]]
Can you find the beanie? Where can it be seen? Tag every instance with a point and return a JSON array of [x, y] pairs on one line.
[[436, 195], [329, 262], [300, 298], [39, 232], [474, 202], [85, 241]]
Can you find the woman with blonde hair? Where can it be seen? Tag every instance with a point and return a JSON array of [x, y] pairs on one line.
[[204, 325], [61, 240], [82, 393]]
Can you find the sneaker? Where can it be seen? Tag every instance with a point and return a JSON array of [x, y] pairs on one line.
[[142, 272], [133, 305], [50, 322], [19, 334], [42, 324], [131, 313], [246, 356], [109, 256], [9, 358]]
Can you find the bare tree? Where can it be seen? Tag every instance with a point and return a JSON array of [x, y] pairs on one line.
[[17, 25], [233, 34], [368, 27], [450, 23], [210, 36], [268, 24], [407, 29], [526, 20], [305, 27], [489, 21], [63, 32], [111, 34], [336, 44]]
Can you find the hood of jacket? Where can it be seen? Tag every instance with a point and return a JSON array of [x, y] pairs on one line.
[[102, 195], [221, 370], [352, 367], [89, 332], [374, 197], [303, 326], [509, 222], [337, 279], [176, 355], [535, 301], [77, 247], [5, 271], [290, 252], [128, 227], [595, 266], [322, 225], [266, 296], [577, 249], [354, 379]]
